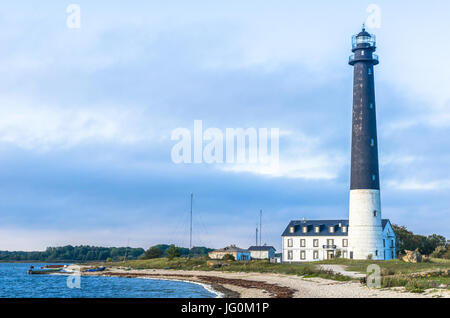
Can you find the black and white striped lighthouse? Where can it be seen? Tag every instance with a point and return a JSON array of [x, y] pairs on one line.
[[365, 231]]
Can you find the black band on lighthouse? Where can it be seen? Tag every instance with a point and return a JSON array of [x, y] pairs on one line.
[[364, 159]]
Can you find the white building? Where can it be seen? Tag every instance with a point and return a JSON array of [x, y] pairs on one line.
[[315, 240], [262, 252]]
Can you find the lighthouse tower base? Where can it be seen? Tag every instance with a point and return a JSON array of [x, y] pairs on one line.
[[365, 229]]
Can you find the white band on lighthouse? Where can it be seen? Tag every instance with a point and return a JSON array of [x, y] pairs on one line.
[[365, 230]]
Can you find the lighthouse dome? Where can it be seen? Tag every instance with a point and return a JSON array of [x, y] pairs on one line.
[[363, 40]]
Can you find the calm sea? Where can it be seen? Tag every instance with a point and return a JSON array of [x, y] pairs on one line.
[[16, 283]]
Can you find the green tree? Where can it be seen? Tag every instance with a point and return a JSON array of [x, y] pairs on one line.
[[407, 240], [228, 257], [153, 252], [173, 252]]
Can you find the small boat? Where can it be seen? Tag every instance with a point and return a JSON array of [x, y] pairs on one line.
[[53, 266], [97, 269], [44, 271]]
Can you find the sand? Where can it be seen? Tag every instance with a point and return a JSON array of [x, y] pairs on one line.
[[263, 285]]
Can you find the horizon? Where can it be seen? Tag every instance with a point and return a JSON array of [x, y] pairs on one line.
[[87, 117]]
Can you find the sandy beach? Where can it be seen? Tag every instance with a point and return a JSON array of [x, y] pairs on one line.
[[266, 285]]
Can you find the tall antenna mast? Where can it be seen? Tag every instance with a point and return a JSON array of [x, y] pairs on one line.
[[190, 232], [256, 234], [260, 226], [126, 251]]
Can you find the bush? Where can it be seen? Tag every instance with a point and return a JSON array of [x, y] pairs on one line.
[[370, 256], [439, 252], [153, 252], [173, 252], [228, 257]]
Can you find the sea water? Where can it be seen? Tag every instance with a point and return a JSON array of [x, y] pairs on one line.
[[15, 282]]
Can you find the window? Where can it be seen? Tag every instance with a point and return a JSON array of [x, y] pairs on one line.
[[316, 254], [371, 105], [373, 177], [290, 255], [372, 142], [289, 242], [392, 254], [351, 255], [317, 229], [344, 242], [369, 71], [331, 229], [344, 254], [374, 212], [302, 243], [362, 52], [384, 243], [376, 252], [305, 229], [392, 243], [291, 229], [330, 242], [316, 243], [344, 229], [302, 255]]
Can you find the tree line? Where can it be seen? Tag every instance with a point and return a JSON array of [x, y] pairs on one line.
[[81, 253], [434, 244], [172, 251], [86, 253]]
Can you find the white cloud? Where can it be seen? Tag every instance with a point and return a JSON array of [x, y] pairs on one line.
[[33, 126], [301, 157], [415, 184]]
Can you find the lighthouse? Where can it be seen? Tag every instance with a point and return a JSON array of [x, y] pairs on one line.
[[365, 233]]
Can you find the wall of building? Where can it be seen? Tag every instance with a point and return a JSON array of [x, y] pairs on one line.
[[309, 247], [365, 230], [262, 254]]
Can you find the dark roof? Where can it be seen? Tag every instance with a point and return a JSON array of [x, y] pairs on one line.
[[364, 33], [324, 227], [231, 248], [260, 248]]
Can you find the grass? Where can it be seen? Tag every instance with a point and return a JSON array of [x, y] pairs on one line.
[[397, 273], [394, 273], [200, 263], [391, 267]]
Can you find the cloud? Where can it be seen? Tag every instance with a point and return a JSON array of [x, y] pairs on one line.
[[414, 184]]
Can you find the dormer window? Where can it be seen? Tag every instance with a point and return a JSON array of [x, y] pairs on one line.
[[317, 229], [331, 229], [291, 229], [305, 229], [344, 229]]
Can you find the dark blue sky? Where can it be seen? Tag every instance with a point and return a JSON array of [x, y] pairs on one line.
[[86, 117]]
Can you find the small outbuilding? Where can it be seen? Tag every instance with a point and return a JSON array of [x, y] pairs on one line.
[[262, 252], [238, 253]]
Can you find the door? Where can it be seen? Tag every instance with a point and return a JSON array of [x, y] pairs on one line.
[[330, 254]]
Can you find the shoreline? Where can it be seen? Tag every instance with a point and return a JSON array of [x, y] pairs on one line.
[[269, 285]]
